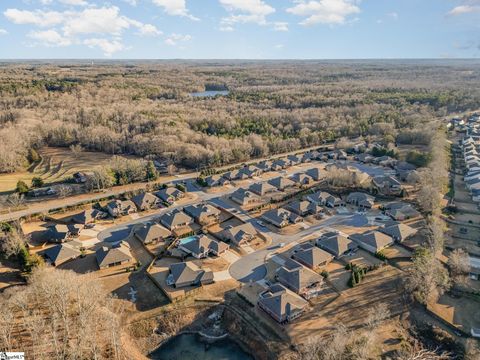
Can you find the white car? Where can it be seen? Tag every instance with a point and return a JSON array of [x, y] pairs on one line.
[[261, 223]]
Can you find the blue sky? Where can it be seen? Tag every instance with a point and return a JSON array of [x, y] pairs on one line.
[[239, 29]]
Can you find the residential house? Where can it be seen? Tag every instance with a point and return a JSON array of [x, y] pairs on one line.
[[245, 197], [301, 179], [372, 241], [61, 253], [60, 233], [398, 231], [387, 185], [185, 274], [361, 200], [88, 216], [294, 160], [118, 208], [241, 235], [400, 211], [281, 217], [146, 201], [262, 188], [281, 304], [334, 201], [319, 198], [216, 180], [313, 257], [336, 244], [251, 171], [235, 175], [201, 246], [203, 213], [281, 183], [152, 233], [176, 219], [113, 256], [304, 208], [315, 173], [279, 164], [265, 165], [170, 194], [299, 279]]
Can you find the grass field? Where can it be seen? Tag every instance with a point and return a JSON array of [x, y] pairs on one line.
[[56, 165]]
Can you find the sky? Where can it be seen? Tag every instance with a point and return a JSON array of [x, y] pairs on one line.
[[239, 29]]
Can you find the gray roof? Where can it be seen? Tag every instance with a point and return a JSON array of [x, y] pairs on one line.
[[199, 210], [239, 232], [87, 216], [145, 200], [188, 272], [119, 253], [281, 302], [61, 253], [169, 193], [175, 218], [398, 231], [301, 178], [148, 232], [280, 215], [242, 195], [360, 198], [374, 239], [262, 188], [296, 276], [201, 244], [335, 244], [315, 173], [281, 182], [312, 256], [121, 206]]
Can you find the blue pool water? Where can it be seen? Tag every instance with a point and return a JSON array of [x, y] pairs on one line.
[[187, 240]]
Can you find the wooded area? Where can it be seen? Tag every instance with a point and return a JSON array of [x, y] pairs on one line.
[[146, 109]]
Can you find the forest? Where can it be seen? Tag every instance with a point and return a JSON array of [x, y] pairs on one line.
[[145, 108]]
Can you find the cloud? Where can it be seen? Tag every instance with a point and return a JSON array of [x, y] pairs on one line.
[[49, 38], [464, 9], [175, 8], [279, 46], [66, 2], [393, 15], [3, 32], [248, 11], [77, 27], [174, 39], [332, 12], [109, 47]]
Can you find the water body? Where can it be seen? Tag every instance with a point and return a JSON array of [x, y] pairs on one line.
[[210, 93], [189, 347]]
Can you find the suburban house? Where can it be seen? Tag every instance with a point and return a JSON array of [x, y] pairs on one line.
[[88, 216], [241, 235], [281, 304], [152, 233], [244, 197], [118, 208], [281, 183], [400, 211], [262, 188], [281, 217], [251, 171], [169, 195], [176, 219], [216, 180], [387, 185], [204, 214], [304, 208], [146, 201], [60, 233], [265, 165], [294, 160], [361, 200], [201, 246], [60, 254], [320, 197], [313, 257], [114, 256], [398, 231], [315, 173], [372, 241], [235, 175], [301, 179], [299, 279], [185, 274], [334, 201], [336, 244], [279, 164]]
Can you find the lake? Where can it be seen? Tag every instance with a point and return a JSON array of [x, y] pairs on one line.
[[189, 347], [210, 93]]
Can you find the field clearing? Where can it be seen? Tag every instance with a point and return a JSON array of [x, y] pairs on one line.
[[56, 165]]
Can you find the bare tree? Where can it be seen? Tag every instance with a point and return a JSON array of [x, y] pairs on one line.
[[11, 243], [459, 263]]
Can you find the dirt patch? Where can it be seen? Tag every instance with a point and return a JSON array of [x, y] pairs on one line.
[[10, 274]]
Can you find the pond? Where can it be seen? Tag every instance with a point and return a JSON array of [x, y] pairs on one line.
[[190, 347], [210, 93]]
